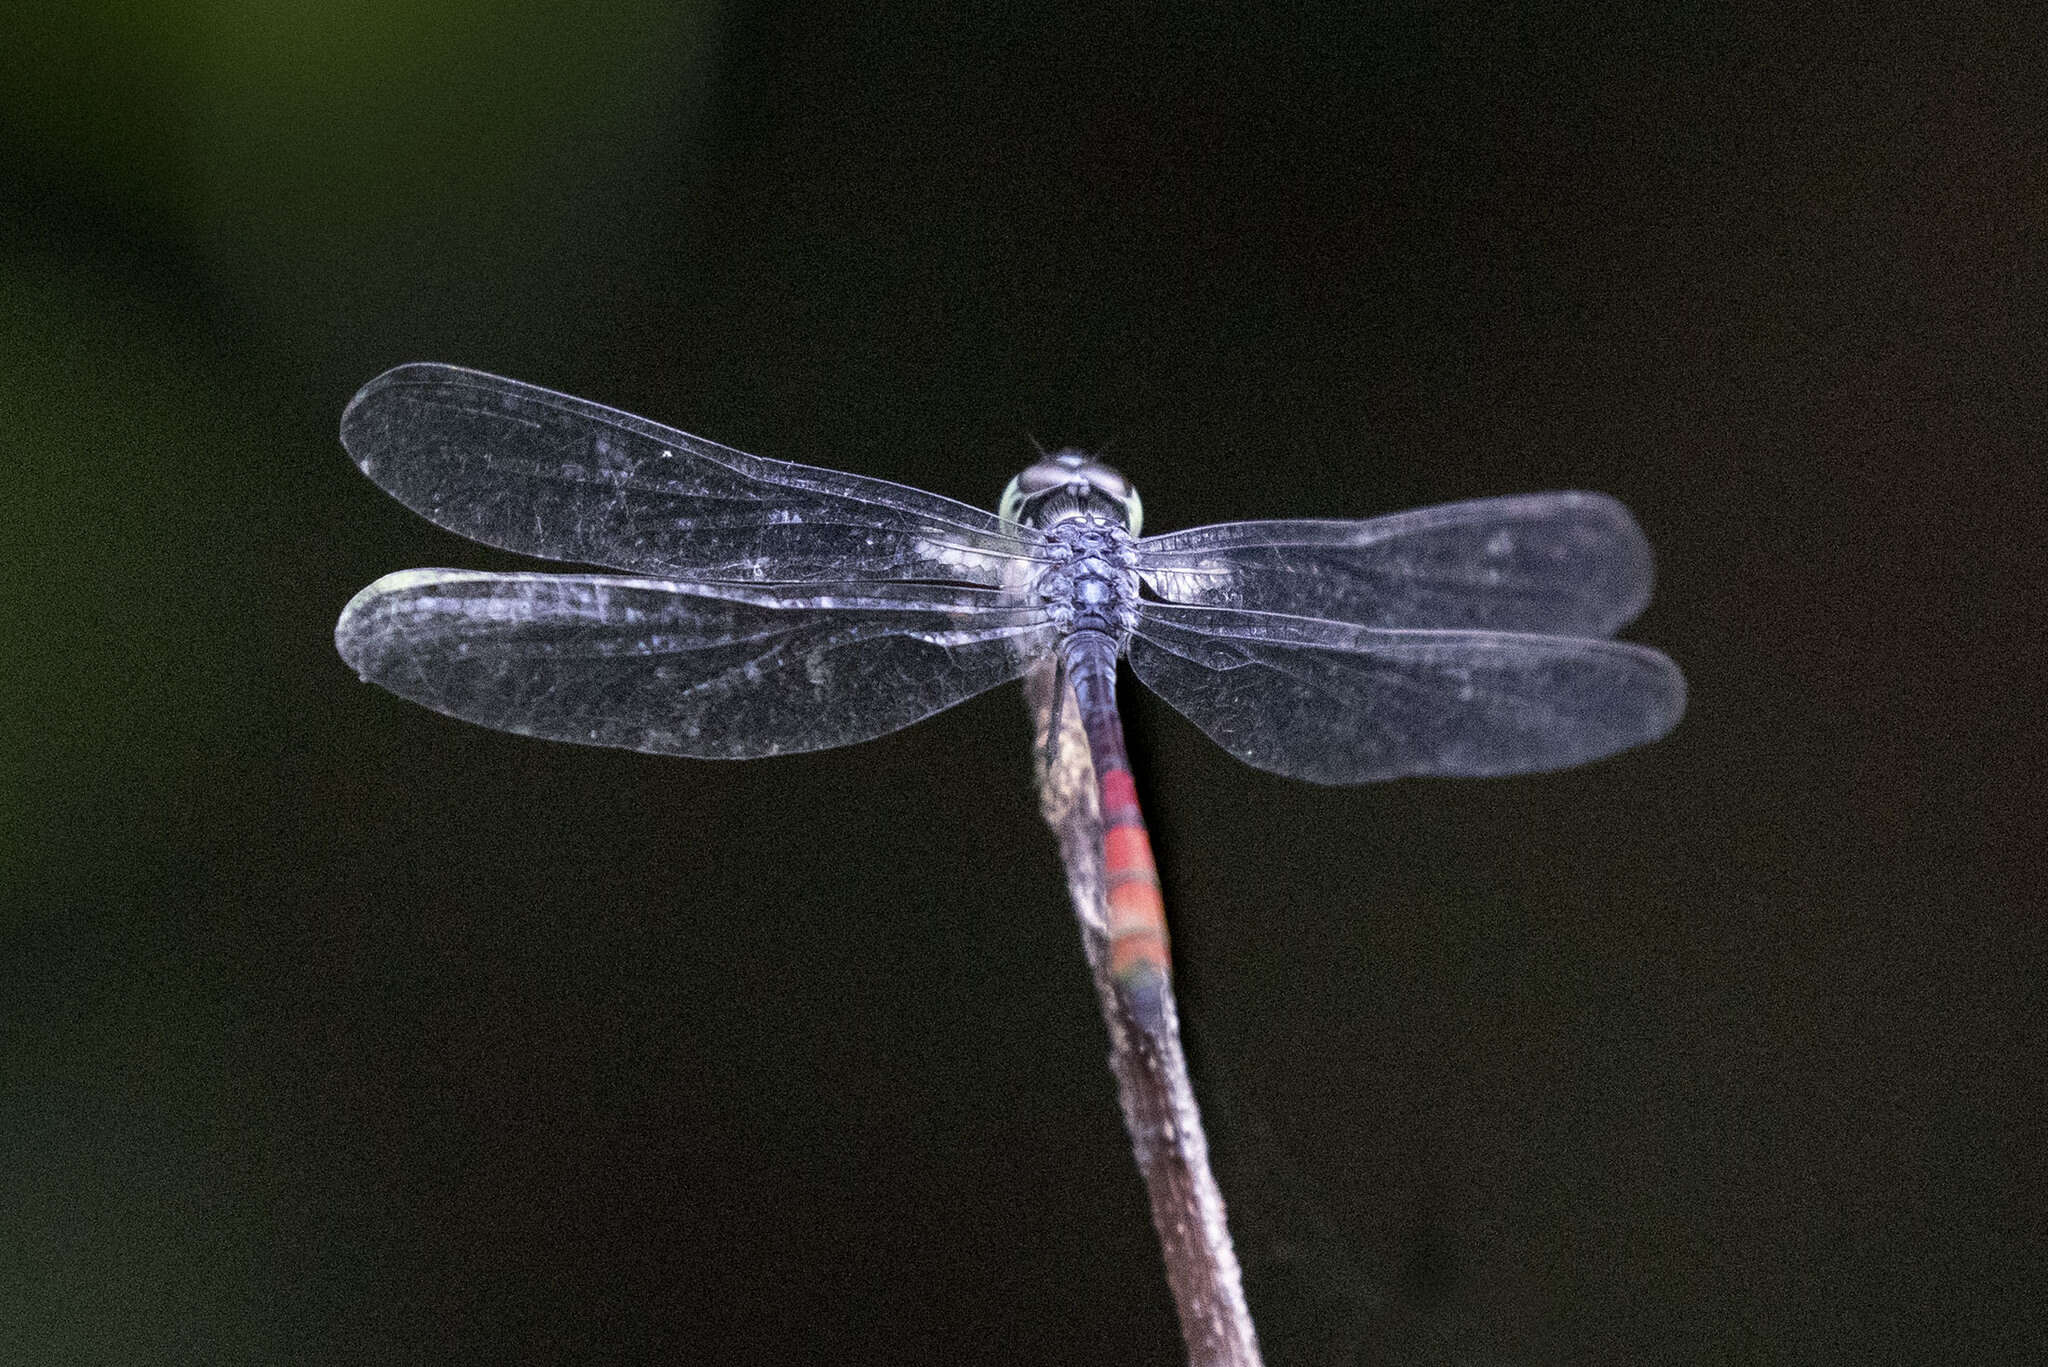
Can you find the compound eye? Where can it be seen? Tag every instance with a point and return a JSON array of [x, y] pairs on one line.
[[1029, 484], [1044, 477], [1134, 510], [1111, 483], [1074, 472]]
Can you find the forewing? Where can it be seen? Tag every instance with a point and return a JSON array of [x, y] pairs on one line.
[[544, 474], [1567, 564], [1333, 703], [707, 670]]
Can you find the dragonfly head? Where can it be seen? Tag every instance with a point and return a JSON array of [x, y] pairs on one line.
[[1070, 484]]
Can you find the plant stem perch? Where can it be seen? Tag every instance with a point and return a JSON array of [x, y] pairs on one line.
[[1151, 1072]]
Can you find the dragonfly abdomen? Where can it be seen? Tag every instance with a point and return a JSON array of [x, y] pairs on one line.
[[1136, 912]]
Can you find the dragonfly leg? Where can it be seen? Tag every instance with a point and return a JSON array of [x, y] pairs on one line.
[[1049, 749]]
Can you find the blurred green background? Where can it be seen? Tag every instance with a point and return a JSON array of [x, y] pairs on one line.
[[334, 1031]]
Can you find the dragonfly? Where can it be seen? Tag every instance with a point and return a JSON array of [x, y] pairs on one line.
[[761, 608]]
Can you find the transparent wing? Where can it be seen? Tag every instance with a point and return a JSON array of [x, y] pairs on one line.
[[709, 670], [1334, 703], [541, 473], [1566, 564]]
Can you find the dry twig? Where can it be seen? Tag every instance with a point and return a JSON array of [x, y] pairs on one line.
[[1151, 1072]]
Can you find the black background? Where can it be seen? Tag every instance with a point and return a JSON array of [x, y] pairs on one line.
[[335, 1031]]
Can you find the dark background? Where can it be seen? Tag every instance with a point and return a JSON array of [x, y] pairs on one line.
[[335, 1031]]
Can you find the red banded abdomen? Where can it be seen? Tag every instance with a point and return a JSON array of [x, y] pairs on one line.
[[1137, 913]]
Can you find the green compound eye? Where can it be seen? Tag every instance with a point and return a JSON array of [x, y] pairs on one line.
[[1075, 472], [1012, 506]]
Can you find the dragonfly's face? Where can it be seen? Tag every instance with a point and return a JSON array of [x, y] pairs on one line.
[[1070, 484]]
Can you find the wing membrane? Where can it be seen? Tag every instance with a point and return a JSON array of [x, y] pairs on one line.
[[530, 470], [713, 671], [1334, 703], [1567, 564]]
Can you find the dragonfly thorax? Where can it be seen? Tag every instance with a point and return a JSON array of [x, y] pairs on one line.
[[1095, 587]]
